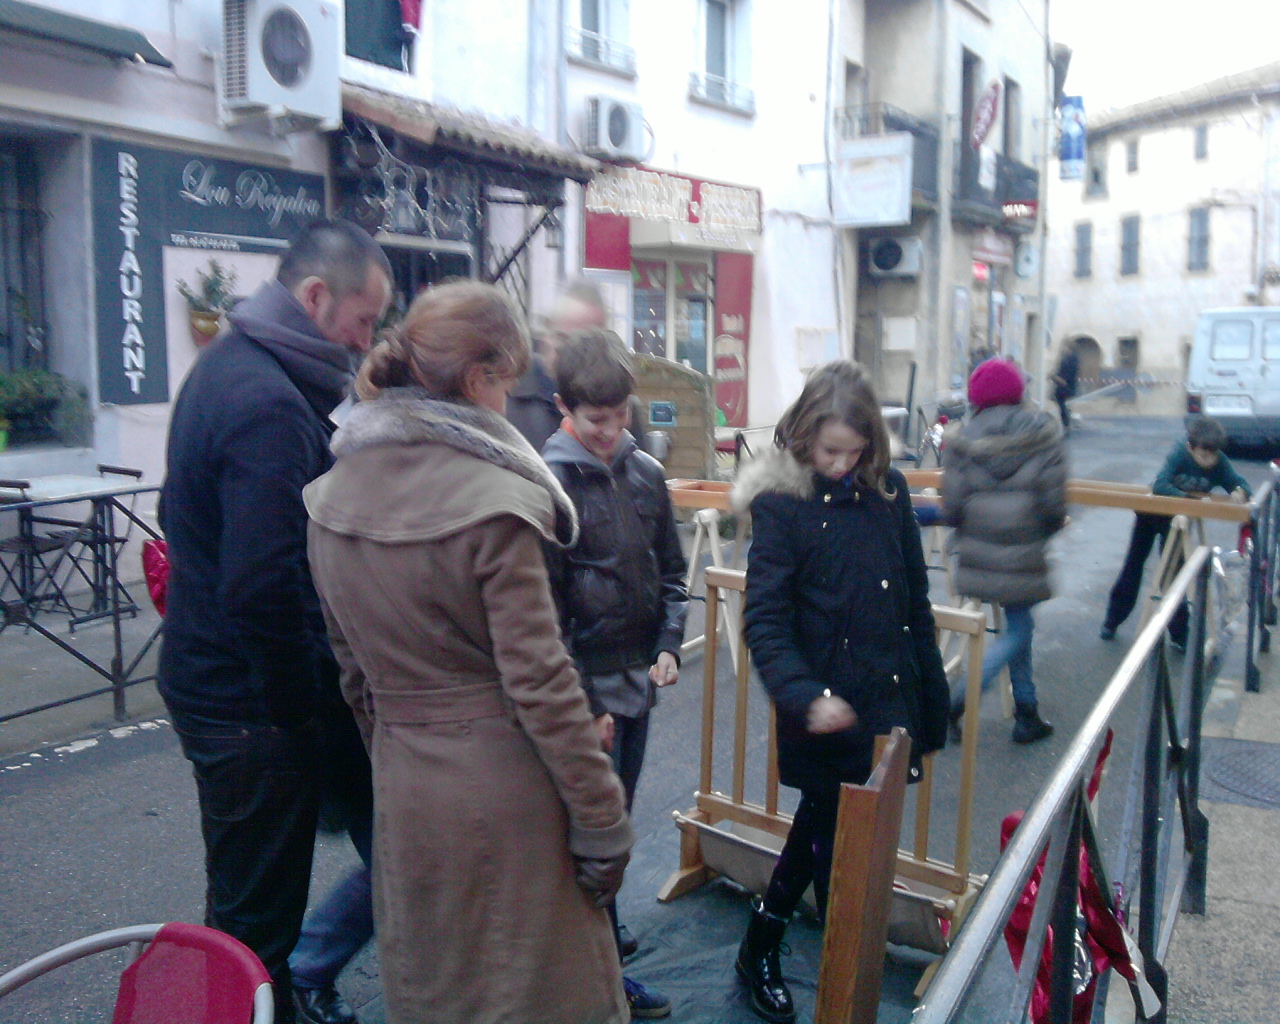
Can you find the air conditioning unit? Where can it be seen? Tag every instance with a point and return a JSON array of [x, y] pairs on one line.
[[281, 63], [613, 130], [895, 256]]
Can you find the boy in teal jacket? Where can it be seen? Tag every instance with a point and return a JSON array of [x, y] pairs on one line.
[[1192, 470]]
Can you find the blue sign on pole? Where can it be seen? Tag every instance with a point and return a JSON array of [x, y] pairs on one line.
[[1071, 144]]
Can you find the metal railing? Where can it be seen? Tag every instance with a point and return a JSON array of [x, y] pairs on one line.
[[721, 92], [601, 51], [1060, 826], [879, 118], [1263, 579]]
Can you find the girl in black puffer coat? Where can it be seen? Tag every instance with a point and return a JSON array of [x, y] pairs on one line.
[[838, 620]]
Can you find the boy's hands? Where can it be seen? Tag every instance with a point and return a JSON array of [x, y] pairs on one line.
[[1240, 496], [830, 714], [604, 729], [664, 671]]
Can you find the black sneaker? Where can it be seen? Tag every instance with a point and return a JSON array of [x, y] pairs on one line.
[[1107, 632], [645, 1003]]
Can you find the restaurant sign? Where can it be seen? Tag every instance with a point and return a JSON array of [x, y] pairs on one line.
[[146, 199], [701, 212]]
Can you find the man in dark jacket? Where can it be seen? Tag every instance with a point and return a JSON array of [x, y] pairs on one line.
[[246, 671], [1065, 381]]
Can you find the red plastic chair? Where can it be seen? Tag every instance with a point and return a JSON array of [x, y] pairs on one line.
[[186, 973]]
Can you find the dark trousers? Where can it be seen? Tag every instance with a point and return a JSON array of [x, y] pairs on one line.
[[259, 788], [1064, 412], [630, 735], [806, 856], [1124, 594]]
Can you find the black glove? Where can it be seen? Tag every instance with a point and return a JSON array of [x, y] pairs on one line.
[[600, 879]]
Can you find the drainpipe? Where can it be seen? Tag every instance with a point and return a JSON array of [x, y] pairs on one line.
[[1038, 369], [942, 232], [562, 119]]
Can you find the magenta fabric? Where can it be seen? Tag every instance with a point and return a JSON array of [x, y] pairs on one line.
[[996, 382]]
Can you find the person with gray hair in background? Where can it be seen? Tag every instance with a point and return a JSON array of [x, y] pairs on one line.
[[246, 671], [531, 406]]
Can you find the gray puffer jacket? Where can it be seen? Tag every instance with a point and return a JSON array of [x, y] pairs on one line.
[[1004, 488]]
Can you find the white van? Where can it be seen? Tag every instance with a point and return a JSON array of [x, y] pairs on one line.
[[1234, 374]]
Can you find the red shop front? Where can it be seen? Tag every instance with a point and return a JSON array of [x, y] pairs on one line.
[[676, 256]]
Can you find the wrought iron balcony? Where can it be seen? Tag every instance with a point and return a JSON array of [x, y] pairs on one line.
[[973, 204], [597, 51], [880, 118], [715, 91]]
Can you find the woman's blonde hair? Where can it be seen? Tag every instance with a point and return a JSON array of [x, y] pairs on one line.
[[449, 329], [839, 391]]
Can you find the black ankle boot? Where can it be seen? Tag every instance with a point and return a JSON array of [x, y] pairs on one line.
[[1028, 726], [759, 967]]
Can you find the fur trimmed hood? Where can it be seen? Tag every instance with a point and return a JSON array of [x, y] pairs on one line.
[[776, 471], [443, 503]]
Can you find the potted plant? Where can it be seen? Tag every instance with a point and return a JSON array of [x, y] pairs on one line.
[[208, 300]]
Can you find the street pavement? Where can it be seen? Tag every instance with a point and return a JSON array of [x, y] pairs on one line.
[[99, 826]]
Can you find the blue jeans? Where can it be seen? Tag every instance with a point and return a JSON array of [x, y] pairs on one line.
[[340, 925], [1013, 648]]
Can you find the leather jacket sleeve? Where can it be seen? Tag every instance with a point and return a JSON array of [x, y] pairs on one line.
[[673, 570]]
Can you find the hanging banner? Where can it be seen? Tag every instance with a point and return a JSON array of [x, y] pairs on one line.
[[1071, 141], [732, 334], [145, 199]]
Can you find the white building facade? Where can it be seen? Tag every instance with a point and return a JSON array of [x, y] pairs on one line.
[[1178, 212]]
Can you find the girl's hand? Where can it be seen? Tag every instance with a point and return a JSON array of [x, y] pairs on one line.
[[830, 714], [664, 671], [604, 729]]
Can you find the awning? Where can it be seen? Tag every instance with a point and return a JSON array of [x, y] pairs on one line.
[[100, 36], [433, 125]]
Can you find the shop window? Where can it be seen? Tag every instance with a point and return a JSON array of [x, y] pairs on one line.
[[1130, 228], [1012, 119], [376, 33], [1202, 142], [1198, 238], [649, 307], [1084, 250], [1096, 173], [691, 321], [1131, 156], [22, 313]]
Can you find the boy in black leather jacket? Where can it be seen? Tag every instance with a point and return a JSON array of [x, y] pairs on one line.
[[621, 589]]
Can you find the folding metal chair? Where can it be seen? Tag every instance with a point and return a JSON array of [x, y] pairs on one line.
[[186, 972]]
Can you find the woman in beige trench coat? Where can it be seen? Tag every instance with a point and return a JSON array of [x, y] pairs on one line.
[[499, 825]]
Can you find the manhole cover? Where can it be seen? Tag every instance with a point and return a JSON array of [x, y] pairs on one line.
[[1249, 770]]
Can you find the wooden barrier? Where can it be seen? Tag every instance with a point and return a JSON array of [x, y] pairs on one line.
[[862, 869], [932, 886]]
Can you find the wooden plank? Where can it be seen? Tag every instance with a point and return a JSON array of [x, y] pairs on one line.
[[1157, 504], [686, 493], [726, 579], [709, 688], [863, 864], [742, 698], [931, 872], [719, 807], [959, 620]]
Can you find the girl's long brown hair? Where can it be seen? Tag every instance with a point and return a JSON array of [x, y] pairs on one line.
[[839, 391]]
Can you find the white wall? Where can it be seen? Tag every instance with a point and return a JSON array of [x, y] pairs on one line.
[[1160, 303], [783, 56]]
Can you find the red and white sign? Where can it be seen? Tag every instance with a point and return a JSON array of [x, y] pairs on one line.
[[984, 115], [732, 331], [991, 247]]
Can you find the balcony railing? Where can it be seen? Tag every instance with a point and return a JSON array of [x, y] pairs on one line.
[[879, 118], [597, 51], [973, 204], [720, 92]]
